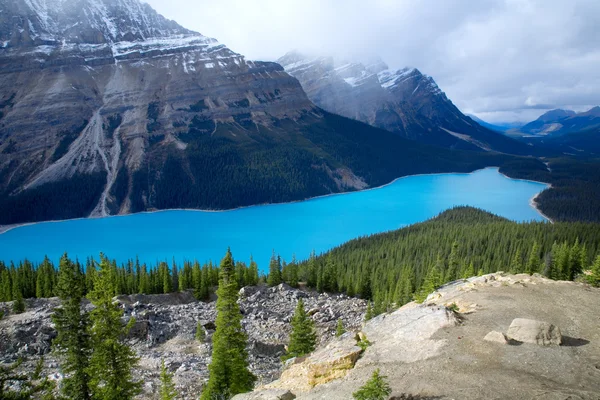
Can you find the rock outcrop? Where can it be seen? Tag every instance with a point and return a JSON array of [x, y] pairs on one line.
[[536, 332], [431, 351]]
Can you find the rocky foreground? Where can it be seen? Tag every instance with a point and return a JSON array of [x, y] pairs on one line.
[[492, 337], [166, 325]]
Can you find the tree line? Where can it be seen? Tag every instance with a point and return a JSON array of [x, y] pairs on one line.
[[29, 280]]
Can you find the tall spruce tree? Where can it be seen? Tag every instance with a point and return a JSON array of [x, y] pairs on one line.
[[534, 262], [594, 277], [112, 360], [274, 277], [167, 387], [72, 343], [18, 302], [229, 373], [303, 338]]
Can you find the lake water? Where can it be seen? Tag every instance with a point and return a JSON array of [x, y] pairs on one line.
[[293, 228]]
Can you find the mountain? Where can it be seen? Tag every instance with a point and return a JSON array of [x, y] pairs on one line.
[[107, 108], [405, 102], [559, 122], [498, 127]]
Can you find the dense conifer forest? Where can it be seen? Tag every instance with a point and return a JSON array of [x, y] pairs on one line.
[[575, 191], [390, 268]]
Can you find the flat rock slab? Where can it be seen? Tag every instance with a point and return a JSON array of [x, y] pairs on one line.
[[496, 337], [268, 394], [324, 365], [535, 332]]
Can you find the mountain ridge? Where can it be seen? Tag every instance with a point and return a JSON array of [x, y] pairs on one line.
[[404, 101]]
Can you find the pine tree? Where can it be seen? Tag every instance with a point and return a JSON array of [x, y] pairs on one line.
[[274, 277], [516, 266], [200, 333], [204, 289], [72, 343], [18, 302], [252, 273], [453, 265], [533, 263], [167, 387], [339, 330], [6, 288], [112, 360], [376, 388], [430, 284], [303, 338], [594, 278], [175, 278], [369, 313], [228, 370], [469, 271]]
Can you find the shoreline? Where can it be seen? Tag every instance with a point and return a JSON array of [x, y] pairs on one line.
[[7, 228], [532, 202]]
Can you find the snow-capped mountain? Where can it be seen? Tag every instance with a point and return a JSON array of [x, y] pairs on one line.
[[403, 101]]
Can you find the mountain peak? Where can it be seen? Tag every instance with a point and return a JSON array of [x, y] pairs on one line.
[[555, 115], [594, 112], [46, 22]]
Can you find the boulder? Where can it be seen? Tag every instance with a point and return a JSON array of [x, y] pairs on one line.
[[329, 363], [268, 394], [536, 332], [496, 337]]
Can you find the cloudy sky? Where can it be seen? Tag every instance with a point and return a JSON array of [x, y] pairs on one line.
[[502, 60]]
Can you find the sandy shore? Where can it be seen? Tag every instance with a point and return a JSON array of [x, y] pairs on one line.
[[6, 228]]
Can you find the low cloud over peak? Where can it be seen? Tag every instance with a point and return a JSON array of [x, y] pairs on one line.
[[502, 60]]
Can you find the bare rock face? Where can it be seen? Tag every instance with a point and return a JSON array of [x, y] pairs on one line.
[[536, 332]]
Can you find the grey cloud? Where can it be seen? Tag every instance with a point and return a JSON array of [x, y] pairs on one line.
[[497, 59]]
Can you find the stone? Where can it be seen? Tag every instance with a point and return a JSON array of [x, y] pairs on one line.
[[329, 363], [268, 394], [496, 337], [535, 332]]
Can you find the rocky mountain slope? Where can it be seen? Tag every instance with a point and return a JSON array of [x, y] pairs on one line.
[[560, 122], [492, 337], [405, 102], [107, 108], [166, 325]]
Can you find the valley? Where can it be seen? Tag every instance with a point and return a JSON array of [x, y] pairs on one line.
[[180, 220]]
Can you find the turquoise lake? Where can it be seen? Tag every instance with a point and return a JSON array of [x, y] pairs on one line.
[[293, 228]]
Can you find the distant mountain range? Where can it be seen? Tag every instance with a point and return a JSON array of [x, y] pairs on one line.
[[498, 127], [405, 102], [107, 108], [563, 131], [559, 122]]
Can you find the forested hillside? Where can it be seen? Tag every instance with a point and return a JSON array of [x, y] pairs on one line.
[[390, 268], [575, 191]]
